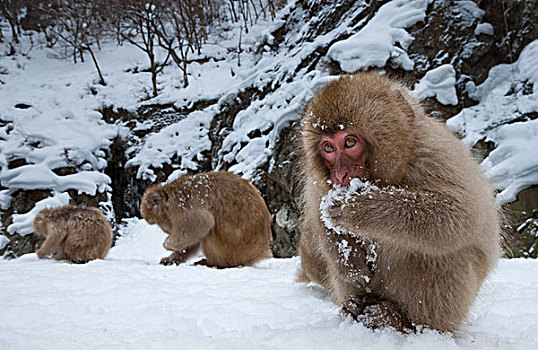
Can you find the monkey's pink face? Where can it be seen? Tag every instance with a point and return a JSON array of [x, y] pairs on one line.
[[344, 154]]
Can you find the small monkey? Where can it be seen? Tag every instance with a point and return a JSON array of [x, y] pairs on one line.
[[399, 223], [74, 233], [219, 212]]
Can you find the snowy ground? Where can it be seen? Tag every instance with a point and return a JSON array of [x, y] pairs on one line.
[[128, 301]]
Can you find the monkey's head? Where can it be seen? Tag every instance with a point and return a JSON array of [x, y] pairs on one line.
[[40, 223], [154, 207], [360, 126]]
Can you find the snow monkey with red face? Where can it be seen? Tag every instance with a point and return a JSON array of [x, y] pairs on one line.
[[219, 212], [399, 225]]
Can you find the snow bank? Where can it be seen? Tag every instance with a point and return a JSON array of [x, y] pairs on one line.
[[139, 242], [48, 122], [509, 92], [23, 223], [128, 301], [383, 38]]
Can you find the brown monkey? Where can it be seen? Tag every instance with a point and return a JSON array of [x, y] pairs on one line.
[[217, 211], [399, 225], [75, 233]]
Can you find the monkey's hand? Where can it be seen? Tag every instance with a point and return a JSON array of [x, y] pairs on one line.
[[341, 203], [180, 256], [51, 247], [419, 220], [385, 314]]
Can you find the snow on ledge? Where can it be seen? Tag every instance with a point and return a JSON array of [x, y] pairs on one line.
[[439, 83], [187, 139], [376, 43], [23, 223], [509, 92], [484, 28], [3, 242], [40, 176], [54, 139]]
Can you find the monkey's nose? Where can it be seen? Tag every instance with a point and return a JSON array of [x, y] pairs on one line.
[[343, 180]]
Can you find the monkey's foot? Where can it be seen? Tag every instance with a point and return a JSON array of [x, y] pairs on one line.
[[80, 261], [204, 262], [353, 307], [172, 259], [385, 314]]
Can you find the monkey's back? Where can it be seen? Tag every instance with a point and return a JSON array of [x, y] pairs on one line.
[[87, 233], [242, 231]]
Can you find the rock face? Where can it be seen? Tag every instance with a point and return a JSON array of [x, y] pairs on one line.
[[471, 36]]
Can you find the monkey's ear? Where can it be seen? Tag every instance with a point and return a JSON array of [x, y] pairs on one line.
[[153, 200], [405, 107]]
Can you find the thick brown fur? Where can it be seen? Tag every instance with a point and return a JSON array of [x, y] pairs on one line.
[[75, 233], [433, 224], [217, 211]]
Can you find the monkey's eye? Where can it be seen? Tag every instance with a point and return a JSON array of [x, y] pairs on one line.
[[327, 147], [350, 142]]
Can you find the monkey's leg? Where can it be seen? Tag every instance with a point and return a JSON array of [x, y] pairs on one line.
[[192, 227], [313, 266], [349, 271], [313, 262], [51, 246], [178, 257]]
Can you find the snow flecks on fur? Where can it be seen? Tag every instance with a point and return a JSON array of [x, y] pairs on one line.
[[201, 185], [343, 195], [344, 249], [371, 255], [361, 246]]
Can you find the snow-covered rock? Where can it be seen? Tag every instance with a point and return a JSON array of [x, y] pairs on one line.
[[509, 93], [382, 38]]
